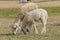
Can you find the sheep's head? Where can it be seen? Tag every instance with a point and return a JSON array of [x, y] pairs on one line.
[[25, 30], [14, 27]]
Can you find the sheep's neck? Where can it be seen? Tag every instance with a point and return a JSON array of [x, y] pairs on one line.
[[17, 21]]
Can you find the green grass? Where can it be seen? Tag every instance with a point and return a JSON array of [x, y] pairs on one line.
[[52, 11], [8, 12]]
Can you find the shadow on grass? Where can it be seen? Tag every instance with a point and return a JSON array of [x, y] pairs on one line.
[[54, 24], [9, 34]]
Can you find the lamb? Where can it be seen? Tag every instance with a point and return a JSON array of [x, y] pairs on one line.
[[32, 17], [22, 11], [26, 8]]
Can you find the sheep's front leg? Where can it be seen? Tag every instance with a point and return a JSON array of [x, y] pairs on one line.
[[35, 28]]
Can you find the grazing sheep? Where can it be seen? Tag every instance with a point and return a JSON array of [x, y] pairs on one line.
[[22, 11], [26, 8], [32, 17]]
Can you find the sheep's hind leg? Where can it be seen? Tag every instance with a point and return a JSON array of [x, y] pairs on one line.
[[44, 20]]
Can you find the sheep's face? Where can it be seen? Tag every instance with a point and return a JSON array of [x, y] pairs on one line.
[[15, 27], [25, 30]]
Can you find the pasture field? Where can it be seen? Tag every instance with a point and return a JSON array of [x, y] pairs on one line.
[[7, 17]]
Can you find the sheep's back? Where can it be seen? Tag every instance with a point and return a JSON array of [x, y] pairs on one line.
[[28, 7], [25, 9], [36, 14]]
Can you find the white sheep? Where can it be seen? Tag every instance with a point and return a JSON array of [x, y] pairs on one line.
[[22, 11], [32, 17]]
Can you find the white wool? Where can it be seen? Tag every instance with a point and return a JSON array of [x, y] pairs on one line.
[[34, 16], [27, 7]]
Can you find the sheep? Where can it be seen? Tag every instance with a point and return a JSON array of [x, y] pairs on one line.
[[22, 11], [26, 8], [32, 17]]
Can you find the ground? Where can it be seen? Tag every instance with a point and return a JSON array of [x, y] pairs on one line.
[[53, 33]]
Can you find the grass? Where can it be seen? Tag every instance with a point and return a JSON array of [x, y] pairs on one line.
[[53, 32], [8, 12], [53, 11], [13, 12]]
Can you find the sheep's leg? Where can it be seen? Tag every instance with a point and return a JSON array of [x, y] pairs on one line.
[[36, 31], [35, 28], [43, 29], [44, 20]]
